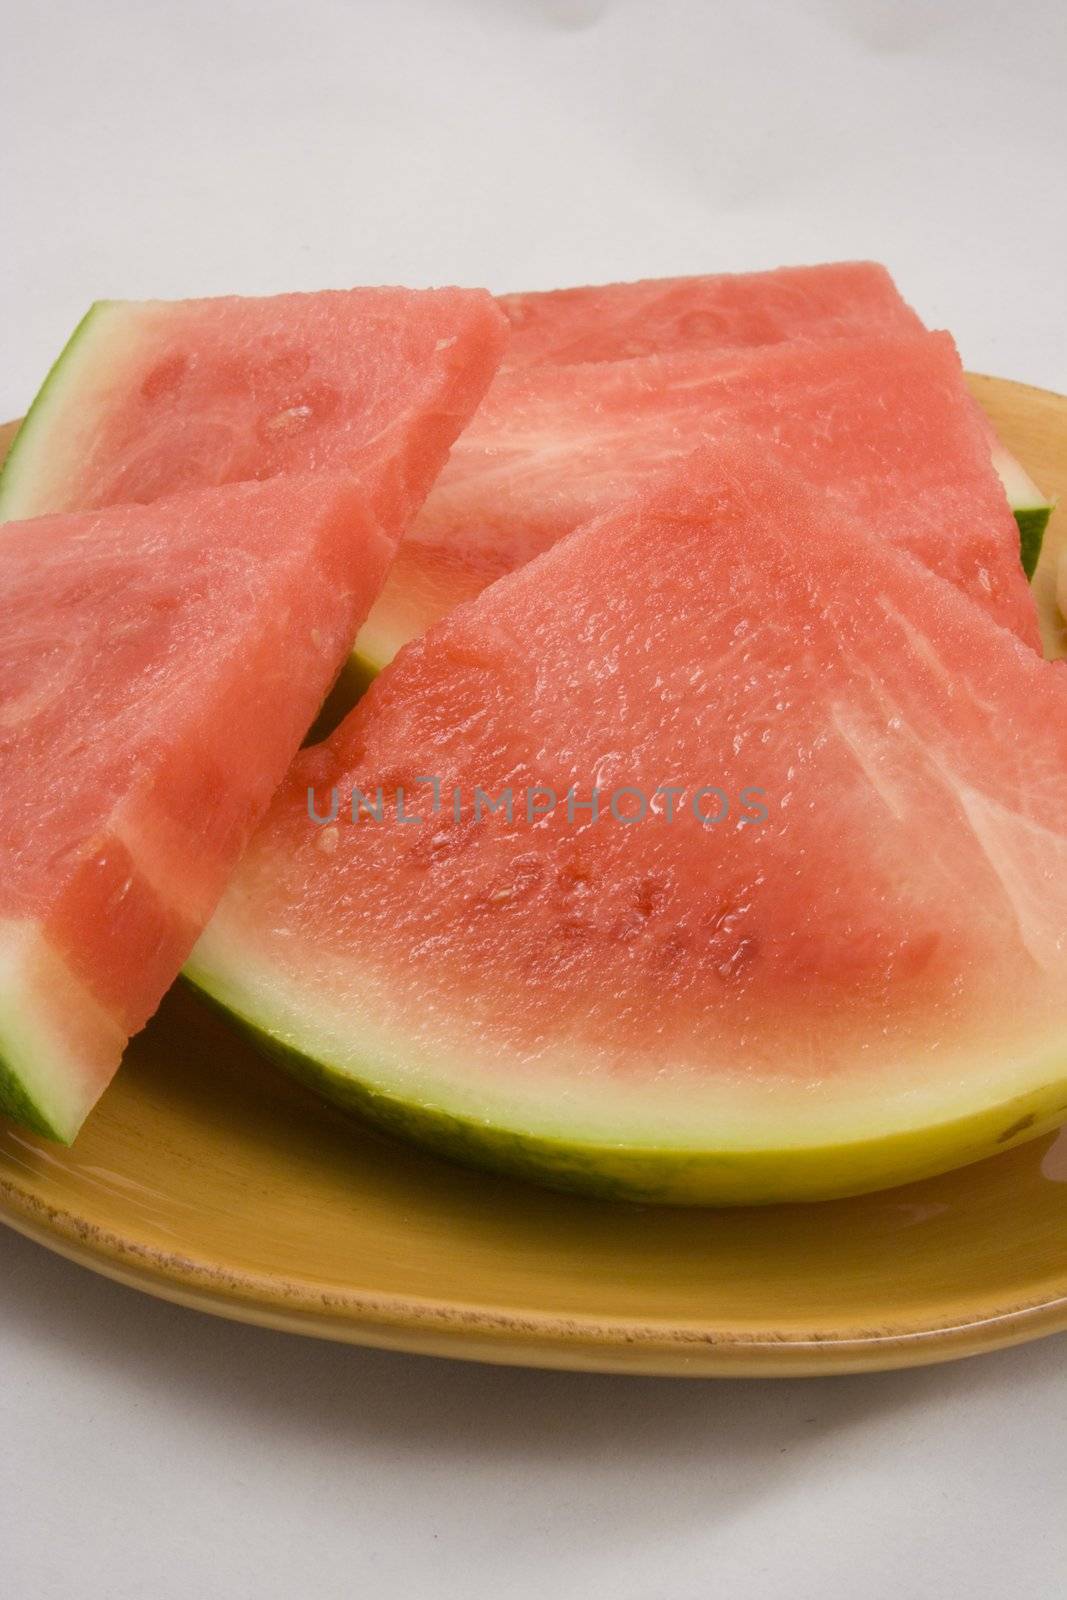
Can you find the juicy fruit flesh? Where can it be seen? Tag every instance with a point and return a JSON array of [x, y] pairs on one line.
[[885, 426], [657, 316], [832, 979], [155, 398], [617, 321]]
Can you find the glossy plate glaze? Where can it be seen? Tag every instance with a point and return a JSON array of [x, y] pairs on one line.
[[207, 1177]]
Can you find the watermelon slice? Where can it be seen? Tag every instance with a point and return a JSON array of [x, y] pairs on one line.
[[153, 398], [842, 299], [884, 424], [825, 953], [159, 665], [732, 310]]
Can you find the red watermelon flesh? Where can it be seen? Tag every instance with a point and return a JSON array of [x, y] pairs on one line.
[[157, 397], [609, 322], [853, 975], [884, 425], [617, 321], [158, 668]]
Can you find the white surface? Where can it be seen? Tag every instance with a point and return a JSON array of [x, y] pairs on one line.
[[154, 1454], [168, 149]]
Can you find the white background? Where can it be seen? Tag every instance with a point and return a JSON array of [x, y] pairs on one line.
[[151, 1454]]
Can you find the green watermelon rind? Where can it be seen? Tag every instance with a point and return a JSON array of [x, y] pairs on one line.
[[51, 389], [666, 1174], [36, 1052], [17, 1103], [1030, 507], [362, 667], [1032, 522]]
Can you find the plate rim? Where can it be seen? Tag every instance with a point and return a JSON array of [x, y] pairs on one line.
[[500, 1336]]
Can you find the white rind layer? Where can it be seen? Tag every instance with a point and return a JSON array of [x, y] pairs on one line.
[[574, 1096]]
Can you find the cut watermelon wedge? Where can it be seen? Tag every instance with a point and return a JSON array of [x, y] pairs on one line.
[[842, 299], [829, 955], [159, 665], [158, 668], [152, 398], [885, 425]]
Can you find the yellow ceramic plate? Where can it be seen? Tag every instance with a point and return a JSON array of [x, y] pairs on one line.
[[207, 1177]]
